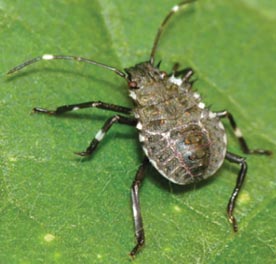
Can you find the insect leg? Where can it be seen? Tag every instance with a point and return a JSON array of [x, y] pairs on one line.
[[240, 179], [98, 104], [186, 73], [239, 135], [101, 133], [138, 222]]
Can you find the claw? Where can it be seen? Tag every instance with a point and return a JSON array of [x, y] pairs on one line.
[[83, 153]]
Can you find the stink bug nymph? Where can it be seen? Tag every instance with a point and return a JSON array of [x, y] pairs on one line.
[[185, 141]]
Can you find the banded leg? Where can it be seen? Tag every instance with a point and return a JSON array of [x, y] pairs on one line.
[[240, 180], [239, 135], [185, 74], [101, 133], [137, 216], [73, 107]]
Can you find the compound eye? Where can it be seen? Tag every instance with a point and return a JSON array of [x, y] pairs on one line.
[[132, 85]]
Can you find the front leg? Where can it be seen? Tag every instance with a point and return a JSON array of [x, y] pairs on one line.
[[92, 104], [185, 74]]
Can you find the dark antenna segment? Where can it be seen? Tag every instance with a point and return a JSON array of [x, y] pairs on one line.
[[174, 10]]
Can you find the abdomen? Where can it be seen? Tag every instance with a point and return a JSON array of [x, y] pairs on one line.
[[185, 149]]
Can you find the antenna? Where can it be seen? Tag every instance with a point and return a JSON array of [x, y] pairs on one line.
[[62, 57], [175, 9]]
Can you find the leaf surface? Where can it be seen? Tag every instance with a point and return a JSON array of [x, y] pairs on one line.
[[58, 208]]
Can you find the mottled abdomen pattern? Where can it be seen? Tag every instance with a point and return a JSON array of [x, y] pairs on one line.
[[178, 132]]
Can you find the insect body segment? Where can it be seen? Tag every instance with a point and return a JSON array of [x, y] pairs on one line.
[[185, 141]]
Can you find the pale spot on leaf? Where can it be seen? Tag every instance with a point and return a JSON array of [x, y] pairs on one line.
[[49, 237]]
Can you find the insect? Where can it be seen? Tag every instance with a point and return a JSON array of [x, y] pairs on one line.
[[184, 140]]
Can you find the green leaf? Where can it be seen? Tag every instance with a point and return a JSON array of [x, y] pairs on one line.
[[58, 208]]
